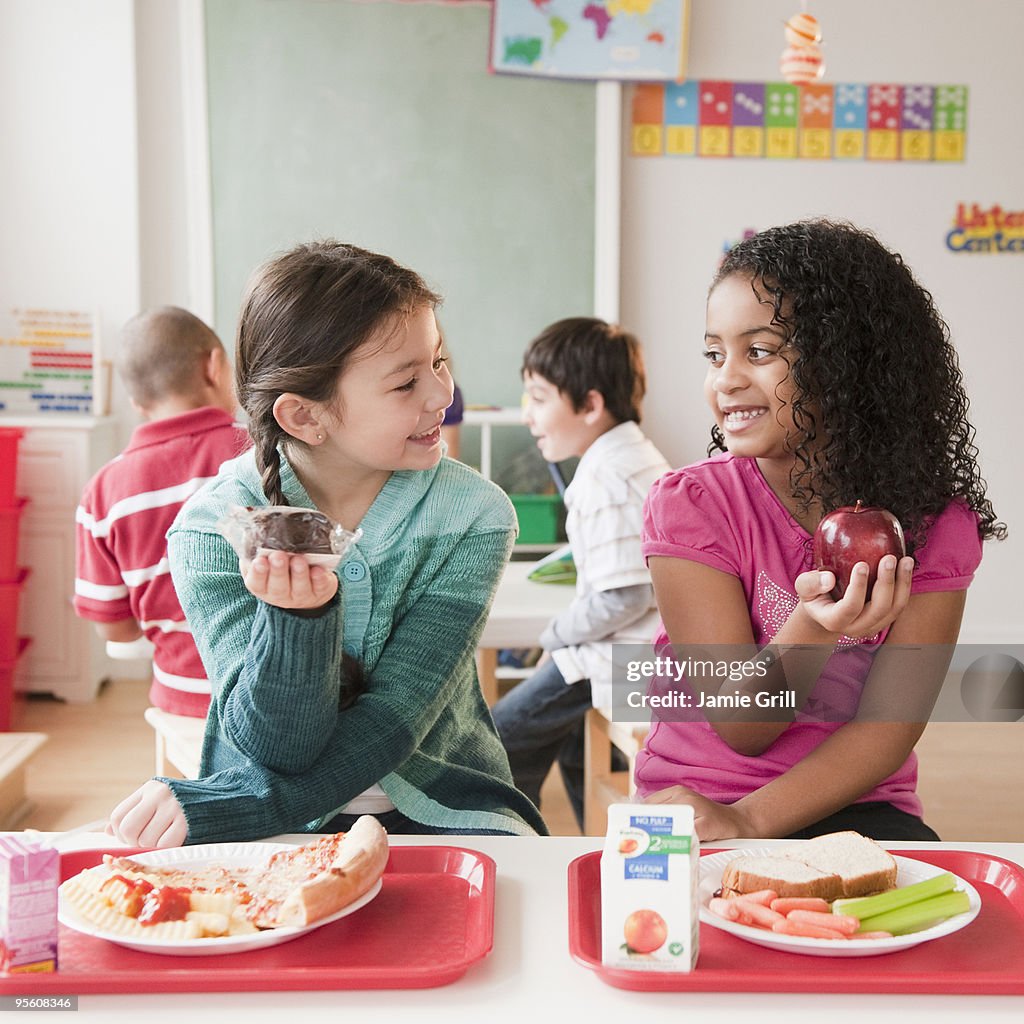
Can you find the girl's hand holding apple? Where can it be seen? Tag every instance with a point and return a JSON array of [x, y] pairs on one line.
[[288, 581], [854, 615]]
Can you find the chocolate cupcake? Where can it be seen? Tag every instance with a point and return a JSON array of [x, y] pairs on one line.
[[298, 530]]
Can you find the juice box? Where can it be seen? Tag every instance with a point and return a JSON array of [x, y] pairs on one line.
[[29, 876], [649, 877]]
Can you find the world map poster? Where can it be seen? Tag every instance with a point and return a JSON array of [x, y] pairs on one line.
[[624, 40]]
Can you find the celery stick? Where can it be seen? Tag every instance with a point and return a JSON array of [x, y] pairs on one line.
[[883, 902], [915, 916]]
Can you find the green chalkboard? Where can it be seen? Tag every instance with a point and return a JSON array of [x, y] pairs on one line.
[[378, 123]]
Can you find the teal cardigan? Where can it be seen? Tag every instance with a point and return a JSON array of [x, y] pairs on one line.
[[414, 593]]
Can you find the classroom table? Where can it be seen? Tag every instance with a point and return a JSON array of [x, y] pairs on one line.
[[530, 974], [521, 610]]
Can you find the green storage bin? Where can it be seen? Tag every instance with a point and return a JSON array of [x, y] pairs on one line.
[[539, 516]]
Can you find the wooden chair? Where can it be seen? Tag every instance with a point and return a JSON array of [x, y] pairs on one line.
[[179, 740], [602, 786]]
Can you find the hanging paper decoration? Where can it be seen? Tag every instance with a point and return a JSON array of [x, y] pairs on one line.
[[803, 30], [802, 60]]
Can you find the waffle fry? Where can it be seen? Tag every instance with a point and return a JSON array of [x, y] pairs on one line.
[[99, 912]]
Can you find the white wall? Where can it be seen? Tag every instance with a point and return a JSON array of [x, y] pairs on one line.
[[163, 241], [94, 210], [174, 173], [679, 211], [69, 229], [98, 175]]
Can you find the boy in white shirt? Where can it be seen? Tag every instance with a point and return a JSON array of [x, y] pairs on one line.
[[584, 383]]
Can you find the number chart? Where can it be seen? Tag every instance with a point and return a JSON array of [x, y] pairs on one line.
[[775, 120], [47, 361]]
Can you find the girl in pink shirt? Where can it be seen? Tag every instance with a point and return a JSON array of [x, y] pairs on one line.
[[832, 379]]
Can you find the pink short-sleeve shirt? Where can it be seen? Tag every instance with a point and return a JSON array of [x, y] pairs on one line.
[[722, 513]]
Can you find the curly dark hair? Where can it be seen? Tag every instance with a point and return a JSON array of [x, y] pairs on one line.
[[877, 381]]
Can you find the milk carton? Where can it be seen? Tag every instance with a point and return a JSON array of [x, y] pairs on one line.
[[649, 877], [29, 876]]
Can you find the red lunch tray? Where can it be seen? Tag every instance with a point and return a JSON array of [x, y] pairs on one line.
[[985, 958], [432, 919]]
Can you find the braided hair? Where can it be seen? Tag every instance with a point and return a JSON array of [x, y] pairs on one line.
[[880, 408], [306, 312]]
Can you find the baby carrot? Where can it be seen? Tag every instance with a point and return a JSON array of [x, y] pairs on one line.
[[765, 897], [837, 922], [874, 935], [787, 926], [724, 908], [755, 914], [784, 904]]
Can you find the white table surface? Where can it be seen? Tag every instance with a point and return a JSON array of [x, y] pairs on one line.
[[530, 976], [522, 608]]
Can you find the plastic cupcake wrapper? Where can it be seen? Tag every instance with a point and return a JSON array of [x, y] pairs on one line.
[[258, 531]]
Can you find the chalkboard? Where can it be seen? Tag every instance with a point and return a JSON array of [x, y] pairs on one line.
[[378, 123]]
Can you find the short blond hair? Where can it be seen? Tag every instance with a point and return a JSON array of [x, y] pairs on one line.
[[161, 354]]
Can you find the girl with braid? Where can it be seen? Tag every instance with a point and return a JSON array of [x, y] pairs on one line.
[[354, 690]]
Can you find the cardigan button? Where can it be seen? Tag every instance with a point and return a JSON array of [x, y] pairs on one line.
[[354, 571], [352, 650]]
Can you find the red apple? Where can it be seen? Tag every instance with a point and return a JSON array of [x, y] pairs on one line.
[[855, 534]]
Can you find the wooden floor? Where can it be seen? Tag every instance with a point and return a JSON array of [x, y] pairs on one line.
[[96, 754], [971, 776]]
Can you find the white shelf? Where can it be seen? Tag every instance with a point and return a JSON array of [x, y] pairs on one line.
[[508, 416]]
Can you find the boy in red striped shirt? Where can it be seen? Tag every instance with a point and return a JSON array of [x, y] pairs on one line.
[[179, 379]]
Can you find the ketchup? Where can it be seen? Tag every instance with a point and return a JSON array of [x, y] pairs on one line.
[[168, 903], [135, 891]]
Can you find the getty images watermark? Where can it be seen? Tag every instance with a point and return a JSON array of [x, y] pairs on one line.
[[890, 683]]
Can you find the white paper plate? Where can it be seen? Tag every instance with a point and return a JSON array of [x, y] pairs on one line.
[[313, 557], [227, 855], [907, 872]]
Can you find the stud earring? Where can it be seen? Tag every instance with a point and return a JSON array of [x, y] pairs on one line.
[[319, 437]]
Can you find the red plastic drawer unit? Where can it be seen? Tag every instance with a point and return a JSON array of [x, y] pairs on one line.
[[10, 523], [7, 684], [10, 592], [9, 438]]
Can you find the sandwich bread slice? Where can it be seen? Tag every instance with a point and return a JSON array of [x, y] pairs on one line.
[[861, 863], [785, 876], [833, 866]]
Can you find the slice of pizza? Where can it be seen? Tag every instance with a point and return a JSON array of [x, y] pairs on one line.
[[295, 888], [310, 882]]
